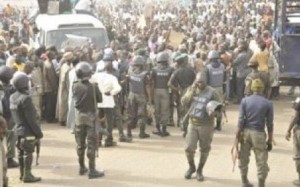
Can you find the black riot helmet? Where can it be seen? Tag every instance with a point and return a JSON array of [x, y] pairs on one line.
[[6, 74], [83, 70], [20, 81], [162, 57], [138, 61]]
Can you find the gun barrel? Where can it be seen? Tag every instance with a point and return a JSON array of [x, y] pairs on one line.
[[38, 149]]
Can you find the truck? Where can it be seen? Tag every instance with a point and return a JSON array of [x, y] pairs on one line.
[[287, 27], [69, 30]]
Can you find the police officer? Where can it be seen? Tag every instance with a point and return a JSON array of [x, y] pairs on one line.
[[121, 98], [180, 80], [295, 126], [5, 76], [138, 96], [215, 72], [161, 75], [3, 165], [27, 130], [200, 128], [255, 74], [256, 113], [86, 96]]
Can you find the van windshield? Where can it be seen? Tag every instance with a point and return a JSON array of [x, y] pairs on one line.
[[59, 38]]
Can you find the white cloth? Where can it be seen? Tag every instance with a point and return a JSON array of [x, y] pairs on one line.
[[107, 83], [101, 65], [108, 51], [71, 104], [10, 61], [84, 5]]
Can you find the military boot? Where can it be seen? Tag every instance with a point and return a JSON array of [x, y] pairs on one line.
[[199, 173], [261, 182], [245, 181], [157, 131], [203, 158], [192, 167], [21, 162], [11, 163], [143, 134], [93, 173], [82, 170], [164, 132], [28, 177], [129, 134], [123, 138]]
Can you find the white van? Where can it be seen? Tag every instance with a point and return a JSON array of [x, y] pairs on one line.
[[57, 30]]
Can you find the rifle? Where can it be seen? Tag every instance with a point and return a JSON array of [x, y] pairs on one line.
[[38, 149], [235, 153], [224, 111]]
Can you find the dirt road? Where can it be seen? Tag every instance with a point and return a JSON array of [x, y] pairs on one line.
[[159, 161]]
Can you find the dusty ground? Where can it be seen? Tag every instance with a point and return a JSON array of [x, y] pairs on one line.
[[159, 161]]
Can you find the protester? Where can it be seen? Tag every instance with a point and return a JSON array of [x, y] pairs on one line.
[[151, 44]]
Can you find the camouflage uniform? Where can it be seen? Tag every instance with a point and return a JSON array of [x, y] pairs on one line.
[[200, 129], [137, 99], [86, 96], [161, 75], [27, 130]]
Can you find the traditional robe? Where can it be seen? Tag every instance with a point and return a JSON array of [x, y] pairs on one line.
[[62, 96]]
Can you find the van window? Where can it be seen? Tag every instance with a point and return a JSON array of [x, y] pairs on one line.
[[97, 36]]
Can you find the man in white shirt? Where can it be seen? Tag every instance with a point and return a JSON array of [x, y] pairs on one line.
[[109, 87], [101, 64]]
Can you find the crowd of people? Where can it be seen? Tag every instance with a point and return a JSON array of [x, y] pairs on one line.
[[226, 52]]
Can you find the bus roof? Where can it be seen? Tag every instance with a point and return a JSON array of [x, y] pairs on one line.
[[54, 22]]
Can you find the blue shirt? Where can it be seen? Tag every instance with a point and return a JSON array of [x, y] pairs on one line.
[[256, 112]]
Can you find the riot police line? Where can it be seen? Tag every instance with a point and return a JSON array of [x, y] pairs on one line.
[[150, 92]]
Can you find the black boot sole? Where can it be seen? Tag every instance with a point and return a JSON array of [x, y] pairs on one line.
[[95, 177], [31, 181]]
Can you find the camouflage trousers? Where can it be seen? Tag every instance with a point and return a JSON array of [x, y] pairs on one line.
[[198, 133], [25, 147], [136, 110], [182, 110], [296, 142], [11, 139], [3, 166], [85, 137], [162, 106], [118, 118], [25, 153], [257, 142]]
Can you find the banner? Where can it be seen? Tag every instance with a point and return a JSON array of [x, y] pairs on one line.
[[175, 38], [142, 22]]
